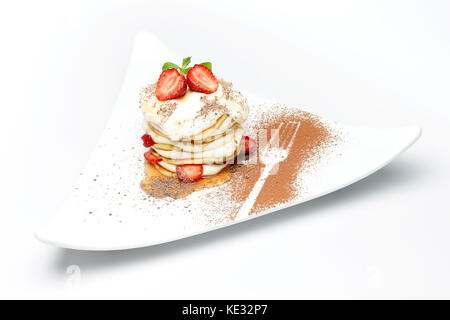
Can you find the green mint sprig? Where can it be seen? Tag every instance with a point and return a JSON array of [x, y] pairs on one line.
[[184, 65]]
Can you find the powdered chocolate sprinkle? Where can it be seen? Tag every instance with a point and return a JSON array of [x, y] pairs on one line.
[[166, 111], [310, 141], [210, 106], [231, 94], [147, 93]]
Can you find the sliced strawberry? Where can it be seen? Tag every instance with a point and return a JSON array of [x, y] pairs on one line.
[[248, 145], [148, 141], [151, 157], [189, 172], [171, 85], [201, 79]]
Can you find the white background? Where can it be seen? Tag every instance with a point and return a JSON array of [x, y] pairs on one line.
[[371, 63]]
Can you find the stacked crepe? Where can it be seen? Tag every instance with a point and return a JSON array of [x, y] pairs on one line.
[[197, 128]]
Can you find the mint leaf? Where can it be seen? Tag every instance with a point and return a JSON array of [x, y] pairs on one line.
[[184, 66], [169, 65], [186, 62], [207, 64]]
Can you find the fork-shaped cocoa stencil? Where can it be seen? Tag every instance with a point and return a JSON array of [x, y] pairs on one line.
[[274, 152]]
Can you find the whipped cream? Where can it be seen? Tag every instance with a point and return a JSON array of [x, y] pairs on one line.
[[180, 119]]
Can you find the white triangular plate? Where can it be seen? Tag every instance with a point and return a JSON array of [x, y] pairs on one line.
[[107, 210]]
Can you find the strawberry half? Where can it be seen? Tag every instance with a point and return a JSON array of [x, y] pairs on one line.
[[248, 145], [189, 172], [201, 79], [171, 85], [147, 140], [150, 157]]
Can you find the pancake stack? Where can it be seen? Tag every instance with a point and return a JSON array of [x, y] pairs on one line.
[[198, 128]]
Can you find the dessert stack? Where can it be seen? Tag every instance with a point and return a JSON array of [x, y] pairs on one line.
[[193, 122]]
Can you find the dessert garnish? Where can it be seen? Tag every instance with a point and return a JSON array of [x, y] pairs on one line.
[[147, 140], [201, 79], [248, 145], [184, 69], [171, 85], [150, 157], [189, 172]]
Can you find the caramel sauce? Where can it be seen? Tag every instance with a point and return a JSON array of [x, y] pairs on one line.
[[159, 186]]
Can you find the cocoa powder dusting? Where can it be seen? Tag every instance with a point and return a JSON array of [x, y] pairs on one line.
[[243, 178], [313, 136], [166, 111]]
